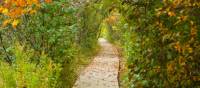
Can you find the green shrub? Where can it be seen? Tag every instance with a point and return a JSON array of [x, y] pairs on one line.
[[26, 73], [160, 39], [56, 35]]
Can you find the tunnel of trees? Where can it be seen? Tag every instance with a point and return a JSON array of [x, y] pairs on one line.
[[43, 43]]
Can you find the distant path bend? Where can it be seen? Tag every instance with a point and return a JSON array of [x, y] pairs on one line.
[[103, 71]]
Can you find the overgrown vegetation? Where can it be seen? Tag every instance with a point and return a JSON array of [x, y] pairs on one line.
[[160, 39], [44, 42]]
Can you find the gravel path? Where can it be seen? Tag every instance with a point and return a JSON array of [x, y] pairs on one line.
[[103, 71]]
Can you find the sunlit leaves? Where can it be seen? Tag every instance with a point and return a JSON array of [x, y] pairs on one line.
[[113, 18], [6, 22], [36, 61], [14, 9], [170, 13], [15, 23], [4, 10]]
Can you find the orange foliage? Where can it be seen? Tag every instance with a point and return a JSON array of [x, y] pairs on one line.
[[14, 9], [48, 1]]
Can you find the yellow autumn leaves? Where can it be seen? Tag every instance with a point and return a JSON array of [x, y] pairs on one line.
[[183, 48], [12, 10], [3, 10], [181, 16], [113, 18], [182, 30], [13, 21]]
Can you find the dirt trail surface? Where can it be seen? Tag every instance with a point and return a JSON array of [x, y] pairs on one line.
[[103, 71]]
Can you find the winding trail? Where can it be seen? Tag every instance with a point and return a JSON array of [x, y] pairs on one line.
[[103, 71]]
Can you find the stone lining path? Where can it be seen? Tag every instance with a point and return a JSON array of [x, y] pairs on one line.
[[103, 71]]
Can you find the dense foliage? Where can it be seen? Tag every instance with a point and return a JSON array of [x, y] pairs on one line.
[[161, 42], [41, 42]]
